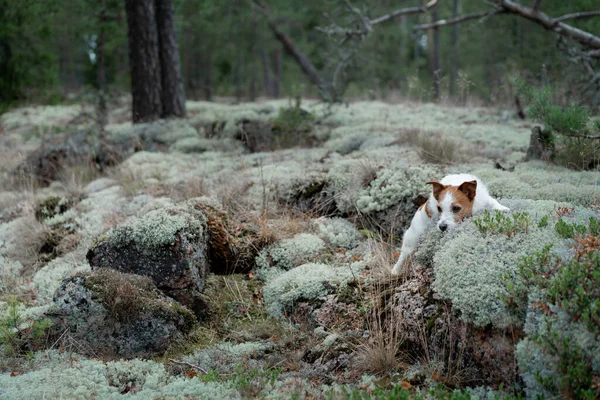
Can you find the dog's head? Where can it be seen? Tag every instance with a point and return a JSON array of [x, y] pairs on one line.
[[454, 203]]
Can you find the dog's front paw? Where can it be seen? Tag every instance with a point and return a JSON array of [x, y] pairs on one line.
[[503, 209]]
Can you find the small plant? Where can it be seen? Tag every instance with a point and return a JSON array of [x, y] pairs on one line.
[[19, 337], [544, 221], [569, 230], [499, 223], [568, 132], [566, 293]]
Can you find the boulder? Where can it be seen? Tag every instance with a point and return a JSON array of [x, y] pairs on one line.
[[111, 313], [168, 245]]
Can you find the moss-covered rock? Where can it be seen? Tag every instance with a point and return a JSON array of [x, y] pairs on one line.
[[469, 263], [289, 253], [308, 282], [168, 244], [119, 314]]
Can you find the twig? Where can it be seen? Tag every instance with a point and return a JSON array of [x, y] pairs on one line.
[[404, 11], [188, 365], [457, 20], [577, 15]]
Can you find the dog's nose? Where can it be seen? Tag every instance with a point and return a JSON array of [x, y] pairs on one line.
[[443, 226]]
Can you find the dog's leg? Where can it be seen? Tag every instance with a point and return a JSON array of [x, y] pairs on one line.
[[494, 205], [411, 238]]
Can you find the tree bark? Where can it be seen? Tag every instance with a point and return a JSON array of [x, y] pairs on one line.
[[144, 60], [100, 71], [173, 97], [266, 67], [277, 67], [453, 50], [435, 62]]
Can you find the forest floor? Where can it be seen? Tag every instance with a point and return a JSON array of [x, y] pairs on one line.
[[294, 217]]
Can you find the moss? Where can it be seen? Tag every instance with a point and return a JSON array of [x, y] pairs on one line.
[[308, 282], [289, 253], [338, 232], [69, 375], [468, 264], [393, 185], [159, 228]]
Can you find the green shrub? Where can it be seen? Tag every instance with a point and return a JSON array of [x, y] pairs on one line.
[[569, 230], [499, 223], [19, 336], [565, 128], [559, 298]]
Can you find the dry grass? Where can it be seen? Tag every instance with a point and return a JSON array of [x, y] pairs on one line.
[[434, 148], [130, 180], [76, 177]]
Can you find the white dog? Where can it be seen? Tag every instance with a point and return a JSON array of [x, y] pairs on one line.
[[452, 199]]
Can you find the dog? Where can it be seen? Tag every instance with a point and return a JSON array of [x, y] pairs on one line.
[[452, 199]]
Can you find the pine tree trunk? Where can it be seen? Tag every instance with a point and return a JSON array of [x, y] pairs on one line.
[[173, 97], [266, 67], [435, 64], [453, 51], [100, 72], [277, 66], [144, 60]]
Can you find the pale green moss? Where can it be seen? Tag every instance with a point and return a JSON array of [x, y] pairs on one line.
[[346, 144], [393, 185], [159, 227], [76, 377], [338, 232], [468, 264], [200, 145], [289, 253], [539, 181], [345, 179], [308, 282], [224, 356]]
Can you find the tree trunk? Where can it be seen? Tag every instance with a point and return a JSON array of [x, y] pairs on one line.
[[173, 97], [266, 67], [100, 71], [207, 79], [435, 62], [453, 51], [144, 60], [304, 63], [277, 66]]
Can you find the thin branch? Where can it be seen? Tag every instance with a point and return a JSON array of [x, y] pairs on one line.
[[193, 366], [583, 37], [536, 5], [404, 11], [577, 15], [457, 20]]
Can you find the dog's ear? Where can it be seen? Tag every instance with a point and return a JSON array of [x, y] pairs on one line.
[[469, 189], [437, 189]]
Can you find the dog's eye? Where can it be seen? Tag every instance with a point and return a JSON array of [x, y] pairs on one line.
[[455, 209], [439, 209]]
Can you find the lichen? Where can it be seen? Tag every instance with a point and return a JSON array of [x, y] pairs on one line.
[[338, 232], [468, 264], [159, 227], [308, 282], [289, 253], [393, 185], [74, 376]]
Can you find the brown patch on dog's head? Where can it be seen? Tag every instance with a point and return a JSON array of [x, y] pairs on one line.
[[463, 197], [469, 189], [438, 188]]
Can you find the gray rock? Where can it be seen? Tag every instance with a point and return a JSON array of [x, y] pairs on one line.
[[112, 313], [168, 245]]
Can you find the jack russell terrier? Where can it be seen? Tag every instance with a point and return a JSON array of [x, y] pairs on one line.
[[452, 199]]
